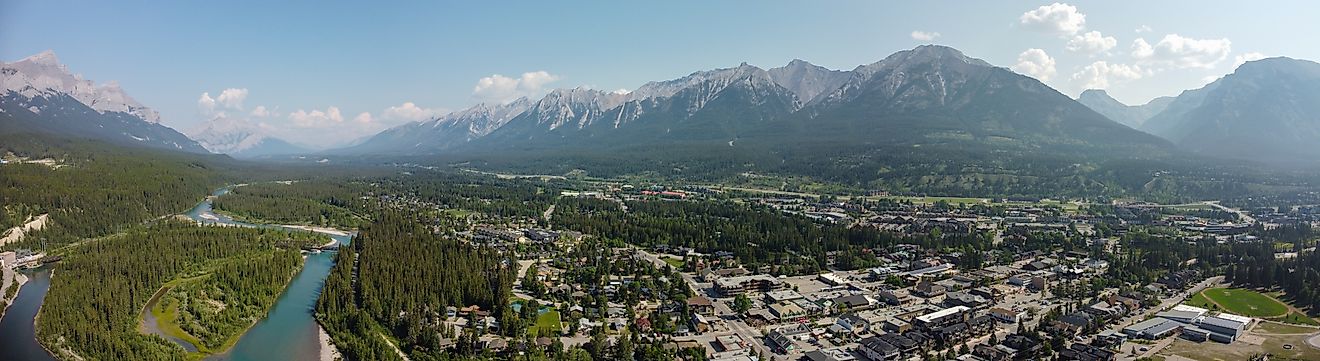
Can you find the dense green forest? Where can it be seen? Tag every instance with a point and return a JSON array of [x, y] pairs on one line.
[[97, 190], [947, 170], [397, 280], [755, 235], [234, 293], [487, 195], [1298, 277], [314, 202], [98, 291], [93, 189]]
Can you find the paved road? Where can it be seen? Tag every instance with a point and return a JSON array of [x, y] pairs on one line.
[[1241, 214]]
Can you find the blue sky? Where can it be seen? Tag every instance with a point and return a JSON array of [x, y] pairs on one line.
[[317, 67]]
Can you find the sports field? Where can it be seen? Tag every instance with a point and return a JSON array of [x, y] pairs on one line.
[[1244, 302]]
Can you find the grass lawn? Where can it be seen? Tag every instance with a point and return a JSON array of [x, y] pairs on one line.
[[1246, 302], [166, 312], [1199, 300], [1297, 318], [547, 324], [1276, 328], [674, 262]]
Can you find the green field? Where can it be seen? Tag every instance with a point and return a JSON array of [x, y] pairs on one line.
[[1244, 302], [1297, 318], [673, 262], [547, 324], [1277, 328]]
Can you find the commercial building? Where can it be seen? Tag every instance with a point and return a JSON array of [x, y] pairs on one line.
[[730, 286], [1222, 329], [942, 318], [1155, 328]]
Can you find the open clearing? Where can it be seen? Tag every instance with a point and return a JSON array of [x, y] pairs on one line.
[[1241, 350], [1245, 302], [547, 323]]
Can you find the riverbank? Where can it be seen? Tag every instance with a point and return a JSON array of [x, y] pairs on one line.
[[328, 350], [166, 315], [325, 230], [12, 280]]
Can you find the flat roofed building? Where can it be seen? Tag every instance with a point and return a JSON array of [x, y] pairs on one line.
[[1196, 333], [831, 279], [1189, 308], [1161, 330], [730, 343], [782, 296], [942, 317], [1140, 330], [1226, 329], [741, 284], [785, 311], [1180, 316], [833, 354], [1241, 319]]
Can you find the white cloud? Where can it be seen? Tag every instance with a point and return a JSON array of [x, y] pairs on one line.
[[206, 104], [1036, 63], [502, 88], [621, 91], [1057, 18], [260, 111], [1180, 52], [232, 98], [924, 35], [363, 118], [1092, 43], [410, 112], [1245, 57], [317, 118], [1102, 74], [1142, 29]]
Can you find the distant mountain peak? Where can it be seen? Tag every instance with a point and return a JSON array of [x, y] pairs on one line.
[[1133, 116], [924, 54], [240, 138], [1095, 92], [1265, 110], [43, 74], [46, 57], [807, 80], [38, 93]]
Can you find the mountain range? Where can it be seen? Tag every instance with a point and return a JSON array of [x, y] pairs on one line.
[[41, 95], [1133, 116], [1266, 110], [931, 94], [241, 139], [914, 106]]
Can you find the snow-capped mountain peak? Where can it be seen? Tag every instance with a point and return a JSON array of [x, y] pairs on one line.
[[239, 137], [479, 120], [43, 75]]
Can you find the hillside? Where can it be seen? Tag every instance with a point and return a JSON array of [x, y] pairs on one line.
[[40, 95], [1267, 110]]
